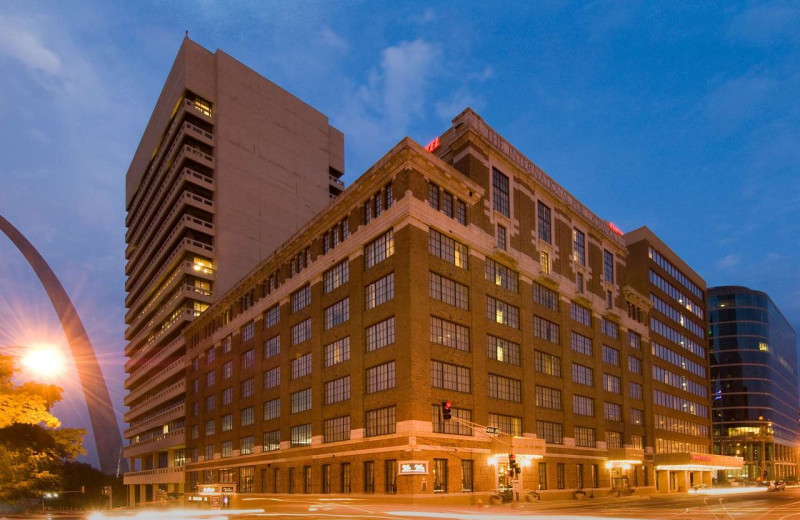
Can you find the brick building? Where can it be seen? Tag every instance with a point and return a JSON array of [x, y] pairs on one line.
[[456, 273]]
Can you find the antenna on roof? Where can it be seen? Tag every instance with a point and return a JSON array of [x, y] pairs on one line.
[[187, 34]]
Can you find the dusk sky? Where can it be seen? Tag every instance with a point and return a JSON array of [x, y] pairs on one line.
[[681, 116]]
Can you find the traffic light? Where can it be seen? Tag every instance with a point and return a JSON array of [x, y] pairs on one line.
[[512, 461], [765, 474], [447, 410]]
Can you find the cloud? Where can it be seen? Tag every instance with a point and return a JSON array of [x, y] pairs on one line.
[[24, 45], [460, 99], [766, 24], [728, 262], [406, 69]]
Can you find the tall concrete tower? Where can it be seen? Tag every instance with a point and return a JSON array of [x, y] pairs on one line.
[[229, 166]]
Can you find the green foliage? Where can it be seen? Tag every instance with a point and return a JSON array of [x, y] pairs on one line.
[[33, 449]]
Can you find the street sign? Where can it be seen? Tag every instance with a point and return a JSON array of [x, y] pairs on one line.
[[492, 430]]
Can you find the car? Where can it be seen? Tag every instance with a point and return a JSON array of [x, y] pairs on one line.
[[776, 485]]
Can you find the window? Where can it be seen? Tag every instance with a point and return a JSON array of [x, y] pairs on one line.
[[545, 297], [581, 344], [505, 388], [634, 365], [248, 388], [272, 409], [579, 246], [637, 441], [227, 449], [196, 364], [637, 416], [301, 332], [246, 474], [272, 347], [585, 437], [582, 375], [450, 377], [610, 328], [337, 352], [581, 314], [579, 476], [547, 363], [548, 398], [369, 476], [337, 390], [460, 426], [272, 316], [608, 266], [300, 435], [208, 452], [227, 396], [560, 482], [543, 215], [381, 377], [301, 401], [542, 475], [379, 249], [227, 370], [444, 247], [336, 276], [380, 291], [634, 340], [544, 262], [380, 335], [246, 445], [611, 355], [272, 440], [612, 411], [336, 429], [461, 212], [211, 402], [502, 350], [612, 384], [227, 344], [467, 473], [583, 405], [210, 355], [248, 359], [501, 237], [226, 422], [440, 475], [501, 193], [344, 478], [301, 366], [248, 331], [501, 275], [447, 204], [613, 440], [635, 391], [326, 479], [272, 378], [433, 196], [300, 298], [337, 313], [209, 430], [502, 312], [579, 282], [546, 330], [195, 432], [449, 334], [448, 291], [380, 422], [507, 423], [551, 432]]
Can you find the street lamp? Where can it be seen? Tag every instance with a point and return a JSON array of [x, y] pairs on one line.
[[44, 361]]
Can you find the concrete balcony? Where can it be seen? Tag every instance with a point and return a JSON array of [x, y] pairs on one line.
[[158, 443], [164, 375], [146, 368], [178, 299], [173, 475], [163, 417], [164, 289], [151, 278], [172, 391]]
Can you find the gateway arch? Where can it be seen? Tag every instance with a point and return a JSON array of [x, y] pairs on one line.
[[101, 413]]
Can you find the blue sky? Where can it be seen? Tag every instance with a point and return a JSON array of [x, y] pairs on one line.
[[682, 116]]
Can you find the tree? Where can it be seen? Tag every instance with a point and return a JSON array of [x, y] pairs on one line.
[[33, 447]]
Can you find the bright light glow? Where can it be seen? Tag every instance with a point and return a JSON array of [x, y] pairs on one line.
[[43, 361], [489, 516], [728, 491]]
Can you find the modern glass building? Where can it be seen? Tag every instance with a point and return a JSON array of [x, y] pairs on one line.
[[754, 384]]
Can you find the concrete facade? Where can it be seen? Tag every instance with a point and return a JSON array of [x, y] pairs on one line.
[[472, 278], [228, 167]]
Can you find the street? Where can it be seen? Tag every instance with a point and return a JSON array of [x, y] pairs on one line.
[[750, 506]]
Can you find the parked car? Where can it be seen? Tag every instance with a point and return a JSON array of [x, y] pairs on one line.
[[776, 485]]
